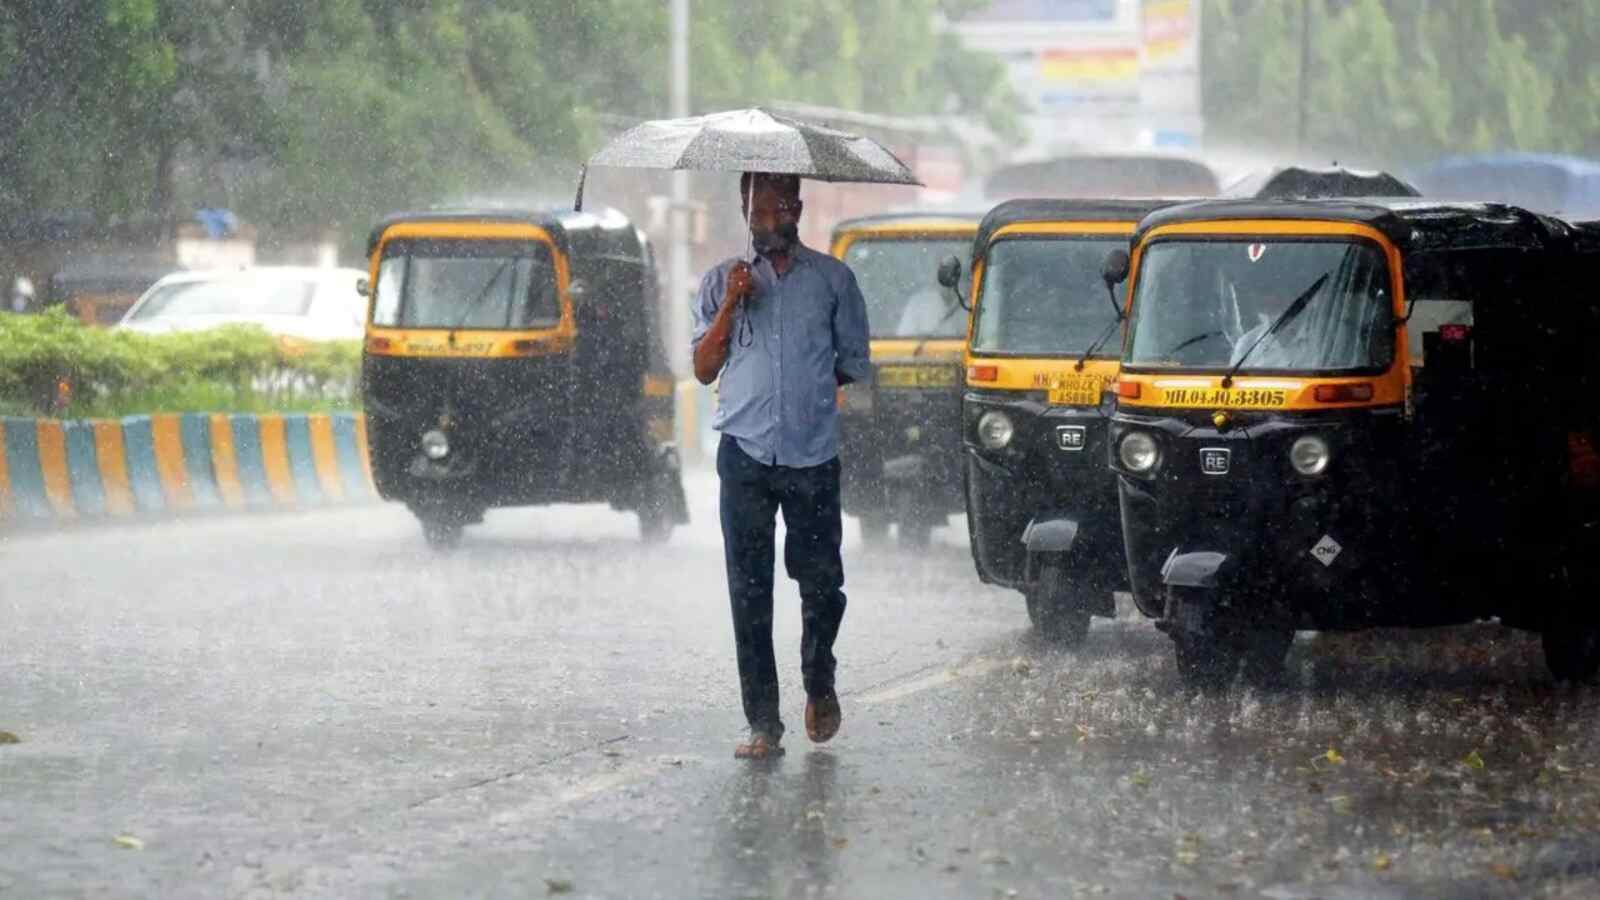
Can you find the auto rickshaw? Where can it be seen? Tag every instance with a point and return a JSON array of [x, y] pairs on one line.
[[1041, 507], [514, 359], [1340, 414], [901, 431]]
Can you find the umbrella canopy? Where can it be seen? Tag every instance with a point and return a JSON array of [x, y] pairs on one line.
[[752, 140], [1299, 181]]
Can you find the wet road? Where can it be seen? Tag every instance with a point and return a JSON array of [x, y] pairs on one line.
[[313, 705]]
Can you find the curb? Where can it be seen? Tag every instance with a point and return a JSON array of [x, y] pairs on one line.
[[161, 465], [54, 472]]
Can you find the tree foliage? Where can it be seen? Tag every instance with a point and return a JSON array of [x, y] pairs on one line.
[[311, 111], [1396, 80]]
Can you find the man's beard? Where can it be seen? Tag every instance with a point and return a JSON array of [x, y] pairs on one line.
[[779, 240]]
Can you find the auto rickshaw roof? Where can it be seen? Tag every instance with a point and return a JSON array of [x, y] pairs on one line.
[[606, 232], [1041, 210], [1415, 225], [909, 220]]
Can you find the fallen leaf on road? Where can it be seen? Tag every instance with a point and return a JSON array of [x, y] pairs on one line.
[[1383, 862], [1504, 871], [1473, 760], [1186, 857], [7, 737], [1333, 756], [1341, 804], [840, 843], [558, 886], [1139, 779], [128, 842]]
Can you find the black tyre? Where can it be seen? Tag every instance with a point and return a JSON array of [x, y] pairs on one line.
[[1262, 652], [655, 526], [442, 533], [1572, 650], [656, 519], [1056, 607], [874, 529], [915, 535]]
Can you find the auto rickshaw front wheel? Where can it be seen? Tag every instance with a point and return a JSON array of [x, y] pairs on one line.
[[655, 525], [1056, 607], [915, 535], [1209, 652], [442, 533], [874, 528]]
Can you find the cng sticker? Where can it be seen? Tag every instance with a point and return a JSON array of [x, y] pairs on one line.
[[1326, 550]]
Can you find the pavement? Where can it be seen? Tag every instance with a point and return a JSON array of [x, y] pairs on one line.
[[315, 705]]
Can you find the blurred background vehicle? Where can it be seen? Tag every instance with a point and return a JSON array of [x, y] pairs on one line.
[[288, 301], [1567, 186]]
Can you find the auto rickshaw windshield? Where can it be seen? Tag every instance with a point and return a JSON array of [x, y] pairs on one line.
[[898, 278], [1203, 305], [484, 284], [1044, 296]]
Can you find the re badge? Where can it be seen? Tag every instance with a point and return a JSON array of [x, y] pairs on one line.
[[1071, 438]]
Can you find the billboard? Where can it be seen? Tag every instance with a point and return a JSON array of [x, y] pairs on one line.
[[1051, 11], [1107, 72]]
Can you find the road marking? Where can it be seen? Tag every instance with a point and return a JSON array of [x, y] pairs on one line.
[[898, 691]]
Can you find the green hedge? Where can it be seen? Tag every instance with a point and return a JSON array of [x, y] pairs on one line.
[[112, 373]]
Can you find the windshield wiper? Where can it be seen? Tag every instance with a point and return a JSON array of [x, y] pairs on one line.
[[1095, 347], [917, 351], [478, 300], [1295, 308]]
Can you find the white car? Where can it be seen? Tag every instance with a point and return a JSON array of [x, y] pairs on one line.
[[288, 301]]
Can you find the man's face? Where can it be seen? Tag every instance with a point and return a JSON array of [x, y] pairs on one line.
[[774, 219]]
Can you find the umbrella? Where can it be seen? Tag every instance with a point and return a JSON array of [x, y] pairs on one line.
[[751, 140], [1299, 181]]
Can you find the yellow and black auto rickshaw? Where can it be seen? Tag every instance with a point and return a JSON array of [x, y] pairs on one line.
[[901, 432], [1338, 414], [514, 359], [1045, 335]]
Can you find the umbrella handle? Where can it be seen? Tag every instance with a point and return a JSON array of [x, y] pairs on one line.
[[583, 175]]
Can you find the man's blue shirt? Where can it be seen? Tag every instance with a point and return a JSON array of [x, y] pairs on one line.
[[792, 341]]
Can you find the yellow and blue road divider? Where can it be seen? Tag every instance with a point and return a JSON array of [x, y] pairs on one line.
[[156, 465], [53, 471]]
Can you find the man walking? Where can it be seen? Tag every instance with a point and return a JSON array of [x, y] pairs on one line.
[[783, 328]]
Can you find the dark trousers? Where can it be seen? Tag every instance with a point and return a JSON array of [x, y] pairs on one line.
[[752, 494]]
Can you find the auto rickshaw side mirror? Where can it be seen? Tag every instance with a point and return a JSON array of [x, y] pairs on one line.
[[949, 276], [363, 288], [578, 290], [1115, 268], [1114, 271]]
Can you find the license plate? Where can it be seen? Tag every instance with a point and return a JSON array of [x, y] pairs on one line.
[[917, 376], [1076, 390]]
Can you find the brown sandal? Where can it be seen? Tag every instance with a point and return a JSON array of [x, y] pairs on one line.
[[823, 717], [759, 746]]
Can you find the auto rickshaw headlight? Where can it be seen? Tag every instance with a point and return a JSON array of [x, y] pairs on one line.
[[1309, 455], [435, 445], [1138, 451], [995, 429]]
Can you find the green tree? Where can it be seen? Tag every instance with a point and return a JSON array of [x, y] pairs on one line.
[[1392, 81]]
